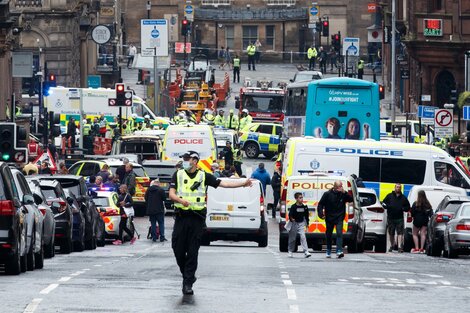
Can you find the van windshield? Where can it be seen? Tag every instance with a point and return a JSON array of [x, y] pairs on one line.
[[178, 145]]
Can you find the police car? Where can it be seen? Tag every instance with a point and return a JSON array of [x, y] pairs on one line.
[[262, 138]]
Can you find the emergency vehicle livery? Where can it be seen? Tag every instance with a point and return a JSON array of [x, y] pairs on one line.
[[381, 164], [312, 187], [181, 138]]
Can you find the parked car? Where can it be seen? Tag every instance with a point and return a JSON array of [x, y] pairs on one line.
[[437, 224], [79, 222], [94, 225], [49, 221], [106, 204], [63, 215], [457, 233], [306, 76], [163, 170], [376, 220], [35, 219], [13, 224]]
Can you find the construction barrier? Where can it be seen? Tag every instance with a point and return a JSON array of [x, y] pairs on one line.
[[102, 146]]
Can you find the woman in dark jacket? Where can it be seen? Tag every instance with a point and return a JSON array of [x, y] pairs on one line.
[[276, 184], [155, 199], [421, 211]]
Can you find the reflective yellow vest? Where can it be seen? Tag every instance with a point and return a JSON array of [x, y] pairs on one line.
[[245, 122], [360, 65], [236, 62], [86, 129], [219, 121], [234, 119], [312, 53], [251, 50], [237, 156], [197, 197]]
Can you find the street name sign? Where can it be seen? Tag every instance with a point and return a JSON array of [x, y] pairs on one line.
[[154, 37]]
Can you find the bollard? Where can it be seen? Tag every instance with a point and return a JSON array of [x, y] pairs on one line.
[[291, 57]]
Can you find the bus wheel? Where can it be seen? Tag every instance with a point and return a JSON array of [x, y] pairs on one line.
[[251, 150]]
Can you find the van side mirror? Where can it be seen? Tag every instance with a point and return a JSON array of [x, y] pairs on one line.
[[37, 199], [291, 80], [55, 206]]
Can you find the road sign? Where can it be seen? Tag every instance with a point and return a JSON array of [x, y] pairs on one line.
[[404, 73], [154, 37], [189, 12], [111, 102], [101, 34], [425, 97], [94, 81], [22, 64], [426, 111], [351, 46], [466, 113], [179, 47], [443, 123], [313, 13]]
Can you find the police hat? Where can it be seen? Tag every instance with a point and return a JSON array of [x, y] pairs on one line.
[[190, 154]]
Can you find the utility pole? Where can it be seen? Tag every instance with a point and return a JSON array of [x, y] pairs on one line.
[[394, 34]]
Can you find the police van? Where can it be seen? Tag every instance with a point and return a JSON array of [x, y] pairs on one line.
[[312, 186], [380, 164], [199, 138]]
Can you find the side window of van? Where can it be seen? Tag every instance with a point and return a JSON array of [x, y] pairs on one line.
[[446, 173], [389, 170]]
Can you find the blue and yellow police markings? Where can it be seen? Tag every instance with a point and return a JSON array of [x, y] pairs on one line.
[[383, 189]]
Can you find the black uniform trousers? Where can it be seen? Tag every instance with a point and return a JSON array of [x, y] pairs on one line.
[[185, 241], [251, 62]]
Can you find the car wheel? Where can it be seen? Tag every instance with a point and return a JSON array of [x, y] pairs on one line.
[[13, 265], [80, 245], [251, 150], [263, 241], [283, 243], [317, 247], [102, 241], [435, 248], [49, 250], [39, 258], [381, 244], [451, 252], [66, 247], [30, 259], [408, 242], [353, 246]]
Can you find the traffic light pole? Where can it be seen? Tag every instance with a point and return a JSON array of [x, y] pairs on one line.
[[156, 84]]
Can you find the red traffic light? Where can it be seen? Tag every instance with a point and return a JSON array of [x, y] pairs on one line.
[[119, 87], [336, 37], [325, 23], [185, 22], [51, 77]]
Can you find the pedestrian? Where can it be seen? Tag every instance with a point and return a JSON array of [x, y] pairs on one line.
[[333, 56], [332, 208], [232, 121], [322, 59], [30, 168], [263, 176], [104, 172], [312, 54], [360, 68], [251, 50], [421, 211], [220, 119], [258, 51], [71, 131], [53, 150], [99, 182], [216, 170], [237, 159], [103, 125], [228, 153], [155, 200], [130, 55], [63, 169], [236, 68], [245, 120], [276, 184], [87, 139], [125, 203], [188, 191], [396, 203], [228, 59], [221, 56], [44, 169], [298, 218], [121, 170], [129, 179]]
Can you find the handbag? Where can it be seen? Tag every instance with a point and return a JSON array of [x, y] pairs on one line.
[[128, 210], [288, 225]]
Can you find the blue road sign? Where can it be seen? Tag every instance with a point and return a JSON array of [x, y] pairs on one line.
[[313, 11], [426, 111], [189, 9], [94, 81], [466, 113]]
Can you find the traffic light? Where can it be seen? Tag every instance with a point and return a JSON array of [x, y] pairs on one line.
[[185, 27], [318, 26], [123, 96], [381, 92], [8, 138], [336, 41], [326, 28], [50, 82], [51, 79]]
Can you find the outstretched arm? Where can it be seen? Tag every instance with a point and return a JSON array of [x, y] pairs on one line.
[[228, 183]]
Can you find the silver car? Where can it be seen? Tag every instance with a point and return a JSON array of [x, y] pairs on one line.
[[457, 233], [376, 220]]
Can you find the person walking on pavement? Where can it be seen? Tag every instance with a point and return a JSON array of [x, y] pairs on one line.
[[332, 208], [251, 50], [155, 201], [236, 68], [360, 68], [263, 176], [312, 56], [188, 191], [332, 55], [130, 55], [298, 218], [322, 58], [129, 179], [125, 202], [421, 211], [220, 119], [276, 184], [258, 51], [232, 121], [396, 203], [246, 119]]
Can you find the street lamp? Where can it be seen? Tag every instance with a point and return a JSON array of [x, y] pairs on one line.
[[149, 8], [450, 106]]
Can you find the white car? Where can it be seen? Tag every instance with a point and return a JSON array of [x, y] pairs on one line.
[[237, 214], [376, 219]]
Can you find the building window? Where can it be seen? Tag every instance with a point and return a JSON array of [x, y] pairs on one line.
[[31, 85], [270, 36], [438, 4], [215, 2], [281, 2], [29, 3], [229, 36], [250, 35]]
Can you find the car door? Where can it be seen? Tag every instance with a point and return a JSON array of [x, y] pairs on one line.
[[246, 209], [275, 138], [265, 132], [89, 169]]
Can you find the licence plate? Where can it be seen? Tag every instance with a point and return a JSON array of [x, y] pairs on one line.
[[138, 198], [163, 184], [222, 218]]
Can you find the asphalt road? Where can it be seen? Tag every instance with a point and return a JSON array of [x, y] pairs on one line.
[[237, 277]]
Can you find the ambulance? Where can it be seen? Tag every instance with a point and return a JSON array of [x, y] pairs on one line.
[[313, 186], [380, 164], [182, 138]]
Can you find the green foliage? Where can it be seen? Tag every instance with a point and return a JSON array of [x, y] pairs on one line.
[[464, 98]]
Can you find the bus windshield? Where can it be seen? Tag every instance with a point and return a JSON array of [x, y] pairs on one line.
[[263, 103]]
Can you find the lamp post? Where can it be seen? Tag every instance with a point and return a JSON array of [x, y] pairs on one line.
[[450, 106], [149, 8]]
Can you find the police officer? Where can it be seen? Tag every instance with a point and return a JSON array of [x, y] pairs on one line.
[[132, 122], [220, 119], [246, 119], [360, 68], [188, 192], [182, 119], [251, 50], [232, 121], [87, 140], [312, 56], [208, 117], [236, 68]]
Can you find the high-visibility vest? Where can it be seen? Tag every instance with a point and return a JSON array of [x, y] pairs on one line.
[[251, 50], [197, 197], [208, 118], [219, 121], [360, 65], [236, 62], [312, 53], [234, 122], [86, 129], [237, 156], [245, 121]]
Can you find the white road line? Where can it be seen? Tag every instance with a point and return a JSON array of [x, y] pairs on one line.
[[291, 294], [411, 281], [293, 308], [64, 279], [287, 282], [86, 269], [97, 265], [32, 306], [284, 273], [445, 282], [48, 289], [285, 276]]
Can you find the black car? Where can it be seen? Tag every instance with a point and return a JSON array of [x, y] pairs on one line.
[[63, 215], [79, 222], [163, 170], [12, 224], [94, 226], [437, 224]]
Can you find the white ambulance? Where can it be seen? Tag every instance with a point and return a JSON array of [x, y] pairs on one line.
[[313, 186]]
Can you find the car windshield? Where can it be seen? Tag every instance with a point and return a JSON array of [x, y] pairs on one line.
[[263, 103], [49, 193], [306, 76], [367, 199], [452, 207], [75, 190], [101, 201]]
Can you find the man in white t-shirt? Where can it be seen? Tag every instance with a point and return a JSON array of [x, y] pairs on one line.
[[131, 54]]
